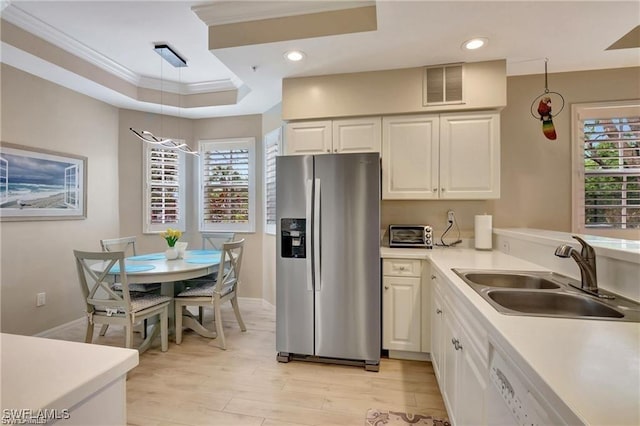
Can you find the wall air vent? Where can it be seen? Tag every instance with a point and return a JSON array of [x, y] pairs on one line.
[[442, 85]]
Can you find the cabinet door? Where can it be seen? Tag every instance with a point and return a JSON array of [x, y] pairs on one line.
[[425, 314], [308, 138], [449, 370], [357, 135], [410, 157], [470, 156], [471, 384], [437, 329], [401, 313]]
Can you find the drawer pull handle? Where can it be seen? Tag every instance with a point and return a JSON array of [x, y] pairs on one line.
[[438, 311], [433, 277], [386, 287]]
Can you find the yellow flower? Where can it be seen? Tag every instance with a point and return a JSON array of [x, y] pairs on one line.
[[172, 236]]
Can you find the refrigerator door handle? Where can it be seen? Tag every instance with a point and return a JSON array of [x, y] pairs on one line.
[[316, 235], [308, 242]]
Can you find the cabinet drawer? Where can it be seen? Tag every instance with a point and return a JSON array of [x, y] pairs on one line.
[[402, 267]]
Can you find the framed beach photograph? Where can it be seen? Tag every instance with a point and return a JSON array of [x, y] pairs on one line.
[[38, 184]]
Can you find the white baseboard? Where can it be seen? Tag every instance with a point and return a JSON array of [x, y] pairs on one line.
[[52, 331], [413, 356]]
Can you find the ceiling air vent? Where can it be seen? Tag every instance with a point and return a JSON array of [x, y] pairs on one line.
[[442, 85]]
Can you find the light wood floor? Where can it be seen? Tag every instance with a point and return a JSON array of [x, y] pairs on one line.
[[197, 383]]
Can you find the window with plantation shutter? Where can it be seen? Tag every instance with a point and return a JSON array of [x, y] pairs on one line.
[[272, 142], [227, 185], [609, 155], [164, 189]]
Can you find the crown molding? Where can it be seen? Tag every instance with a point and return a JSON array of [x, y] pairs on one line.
[[35, 26], [188, 89], [41, 29], [229, 12]]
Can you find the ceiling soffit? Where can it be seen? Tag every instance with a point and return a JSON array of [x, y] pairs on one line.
[[627, 41], [34, 37], [297, 27]]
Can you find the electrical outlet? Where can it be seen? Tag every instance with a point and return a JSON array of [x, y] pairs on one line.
[[450, 216], [41, 299]]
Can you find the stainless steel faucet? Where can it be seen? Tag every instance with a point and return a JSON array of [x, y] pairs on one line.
[[586, 260]]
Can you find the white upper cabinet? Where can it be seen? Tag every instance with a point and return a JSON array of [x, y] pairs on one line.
[[410, 146], [470, 156], [333, 136], [357, 135], [308, 137], [445, 156]]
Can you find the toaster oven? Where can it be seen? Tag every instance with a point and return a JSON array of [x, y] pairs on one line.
[[420, 236]]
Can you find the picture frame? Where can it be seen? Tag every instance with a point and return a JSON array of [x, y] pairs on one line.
[[40, 184]]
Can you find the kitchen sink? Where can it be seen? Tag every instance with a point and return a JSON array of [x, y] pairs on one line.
[[557, 304], [511, 280], [539, 293]]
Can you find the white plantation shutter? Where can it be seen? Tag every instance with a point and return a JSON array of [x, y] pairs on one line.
[[164, 192], [272, 142], [227, 188], [612, 172], [609, 141]]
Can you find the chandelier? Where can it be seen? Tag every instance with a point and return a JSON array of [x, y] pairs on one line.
[[167, 143]]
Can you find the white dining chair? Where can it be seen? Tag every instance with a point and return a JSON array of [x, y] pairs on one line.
[[106, 306], [128, 246], [211, 241], [214, 240], [214, 293], [124, 244]]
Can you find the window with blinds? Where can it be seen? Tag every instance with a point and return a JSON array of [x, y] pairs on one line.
[[611, 154], [272, 142], [227, 196], [164, 197]]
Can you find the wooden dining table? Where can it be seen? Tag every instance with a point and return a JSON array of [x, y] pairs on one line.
[[156, 268]]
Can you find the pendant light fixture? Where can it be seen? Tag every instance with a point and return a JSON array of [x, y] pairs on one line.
[[177, 61]]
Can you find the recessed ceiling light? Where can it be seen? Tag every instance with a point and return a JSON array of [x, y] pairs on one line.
[[474, 43], [294, 55]]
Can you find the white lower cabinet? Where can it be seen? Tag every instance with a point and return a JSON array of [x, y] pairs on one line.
[[401, 304], [460, 368]]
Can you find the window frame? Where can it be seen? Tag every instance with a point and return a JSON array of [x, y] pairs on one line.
[[579, 113], [248, 143], [274, 137], [156, 228]]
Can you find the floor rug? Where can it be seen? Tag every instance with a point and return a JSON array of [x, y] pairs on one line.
[[397, 418]]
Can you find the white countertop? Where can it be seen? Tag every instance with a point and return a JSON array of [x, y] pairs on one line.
[[39, 373], [593, 366], [617, 248]]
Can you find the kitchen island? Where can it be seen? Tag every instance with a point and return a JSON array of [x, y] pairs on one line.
[[587, 371], [68, 382]]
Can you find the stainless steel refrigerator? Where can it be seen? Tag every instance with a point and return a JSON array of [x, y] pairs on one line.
[[328, 258]]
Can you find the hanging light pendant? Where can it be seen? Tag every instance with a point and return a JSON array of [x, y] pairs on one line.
[[177, 61], [149, 137]]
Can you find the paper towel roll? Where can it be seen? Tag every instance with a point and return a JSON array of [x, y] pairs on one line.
[[483, 231]]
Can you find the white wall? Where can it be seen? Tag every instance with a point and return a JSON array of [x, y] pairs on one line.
[[36, 256]]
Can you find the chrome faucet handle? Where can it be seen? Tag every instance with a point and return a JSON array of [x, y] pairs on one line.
[[587, 252]]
